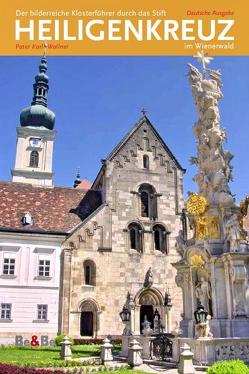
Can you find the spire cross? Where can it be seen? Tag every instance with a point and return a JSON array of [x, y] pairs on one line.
[[45, 47], [202, 57], [144, 111]]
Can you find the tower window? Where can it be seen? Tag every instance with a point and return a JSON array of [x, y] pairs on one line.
[[89, 272], [145, 162], [160, 238], [148, 201], [135, 237], [144, 204], [34, 159]]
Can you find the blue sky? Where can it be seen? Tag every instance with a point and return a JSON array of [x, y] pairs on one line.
[[98, 99]]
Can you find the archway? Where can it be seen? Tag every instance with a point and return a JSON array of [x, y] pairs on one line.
[[86, 324], [146, 311], [88, 318], [149, 300]]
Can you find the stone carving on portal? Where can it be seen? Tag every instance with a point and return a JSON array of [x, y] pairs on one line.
[[148, 282]]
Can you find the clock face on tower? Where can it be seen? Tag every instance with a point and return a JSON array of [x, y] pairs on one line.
[[35, 142]]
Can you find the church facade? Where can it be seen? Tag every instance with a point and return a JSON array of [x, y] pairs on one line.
[[131, 235], [71, 258]]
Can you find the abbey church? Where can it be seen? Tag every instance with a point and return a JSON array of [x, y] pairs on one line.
[[71, 258]]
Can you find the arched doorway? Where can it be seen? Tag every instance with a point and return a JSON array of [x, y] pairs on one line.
[[146, 310], [86, 324], [88, 318], [149, 300]]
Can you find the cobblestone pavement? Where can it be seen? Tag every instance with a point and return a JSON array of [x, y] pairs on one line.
[[160, 369]]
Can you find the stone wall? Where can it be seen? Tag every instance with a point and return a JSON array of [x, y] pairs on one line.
[[104, 237]]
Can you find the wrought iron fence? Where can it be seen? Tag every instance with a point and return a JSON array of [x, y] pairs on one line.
[[161, 347]]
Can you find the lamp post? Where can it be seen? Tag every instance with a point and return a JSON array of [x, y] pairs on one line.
[[200, 314], [167, 300], [168, 304], [125, 316]]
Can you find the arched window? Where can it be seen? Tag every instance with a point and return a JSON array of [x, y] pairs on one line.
[[145, 162], [89, 273], [135, 237], [145, 204], [34, 159], [160, 238], [148, 201]]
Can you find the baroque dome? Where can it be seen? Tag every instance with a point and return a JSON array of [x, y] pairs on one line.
[[37, 114]]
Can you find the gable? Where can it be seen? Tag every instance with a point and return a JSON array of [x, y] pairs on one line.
[[143, 137]]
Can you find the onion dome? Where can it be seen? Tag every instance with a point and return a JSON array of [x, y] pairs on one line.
[[38, 115]]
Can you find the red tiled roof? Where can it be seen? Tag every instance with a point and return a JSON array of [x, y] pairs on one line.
[[85, 184], [53, 209]]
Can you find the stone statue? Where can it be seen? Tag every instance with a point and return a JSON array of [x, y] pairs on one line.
[[146, 327], [232, 233], [148, 282], [203, 294], [180, 243], [129, 300], [157, 323], [214, 164], [177, 331], [202, 330]]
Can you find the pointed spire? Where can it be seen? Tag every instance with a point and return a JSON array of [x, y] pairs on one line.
[[77, 180], [41, 84]]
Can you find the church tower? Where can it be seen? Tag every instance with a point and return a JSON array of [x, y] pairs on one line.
[[35, 136]]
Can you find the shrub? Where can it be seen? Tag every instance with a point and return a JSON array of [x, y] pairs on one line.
[[58, 364], [229, 367], [79, 341], [60, 338], [11, 369]]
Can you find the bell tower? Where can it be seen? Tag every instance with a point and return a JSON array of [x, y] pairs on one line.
[[36, 136]]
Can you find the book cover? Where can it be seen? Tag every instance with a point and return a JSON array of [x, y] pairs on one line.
[[124, 175]]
